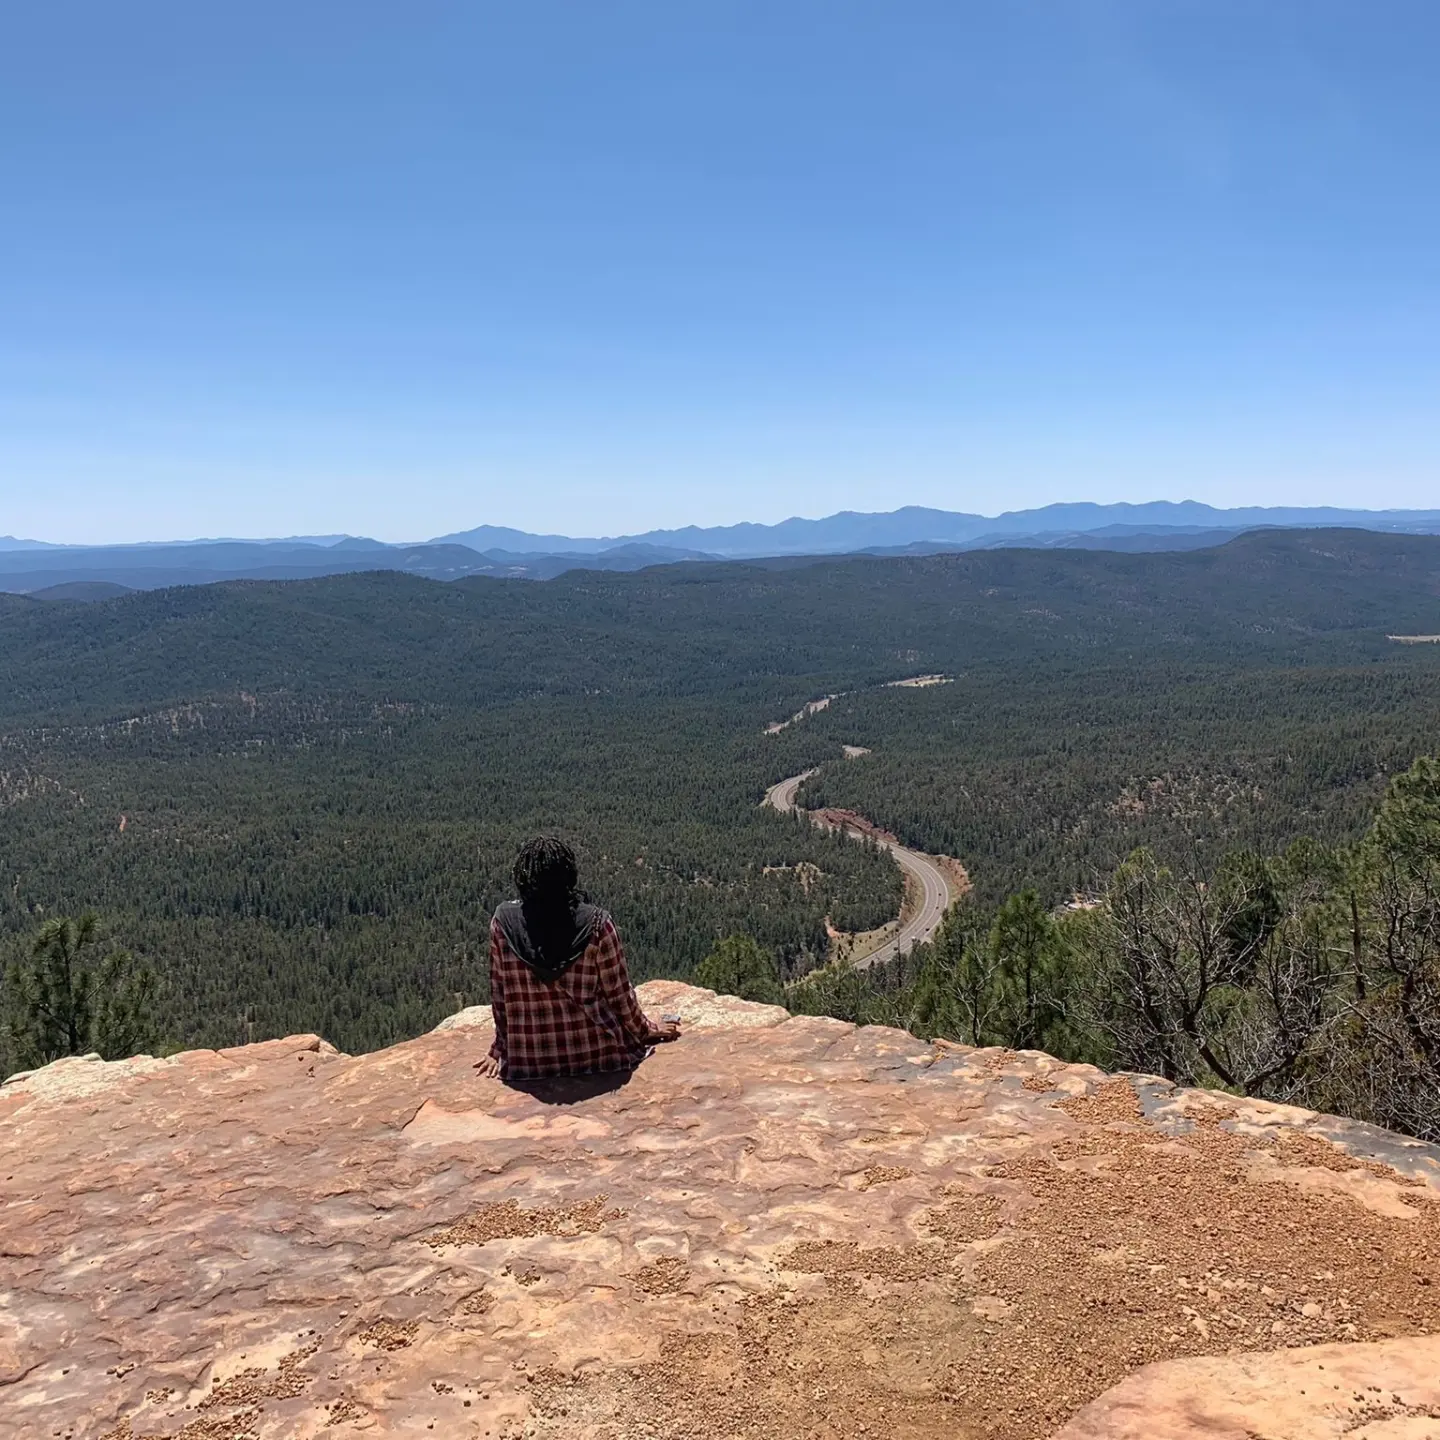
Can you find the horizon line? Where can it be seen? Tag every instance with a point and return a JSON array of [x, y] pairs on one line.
[[335, 538]]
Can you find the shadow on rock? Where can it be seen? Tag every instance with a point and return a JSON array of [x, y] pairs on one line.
[[571, 1089]]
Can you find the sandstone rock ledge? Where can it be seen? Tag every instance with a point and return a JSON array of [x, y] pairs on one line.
[[777, 1228]]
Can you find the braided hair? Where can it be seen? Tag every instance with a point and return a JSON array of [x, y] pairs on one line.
[[546, 875]]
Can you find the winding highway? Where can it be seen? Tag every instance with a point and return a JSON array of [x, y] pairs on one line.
[[922, 868]]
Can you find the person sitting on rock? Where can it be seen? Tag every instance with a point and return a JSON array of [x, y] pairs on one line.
[[559, 990]]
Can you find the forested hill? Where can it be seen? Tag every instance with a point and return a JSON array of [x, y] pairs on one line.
[[300, 798], [688, 629]]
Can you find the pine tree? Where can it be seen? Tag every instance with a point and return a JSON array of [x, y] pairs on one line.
[[65, 998], [738, 965]]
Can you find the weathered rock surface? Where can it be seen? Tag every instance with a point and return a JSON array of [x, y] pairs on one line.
[[1386, 1391], [775, 1228]]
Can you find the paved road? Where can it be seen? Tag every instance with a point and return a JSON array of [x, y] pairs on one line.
[[921, 867]]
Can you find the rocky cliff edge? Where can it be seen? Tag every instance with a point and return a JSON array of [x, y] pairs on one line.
[[778, 1227]]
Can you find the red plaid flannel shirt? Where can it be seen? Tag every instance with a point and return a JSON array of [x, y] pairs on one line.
[[589, 1020]]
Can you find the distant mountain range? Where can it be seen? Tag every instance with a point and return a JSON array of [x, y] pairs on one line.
[[76, 572], [852, 532]]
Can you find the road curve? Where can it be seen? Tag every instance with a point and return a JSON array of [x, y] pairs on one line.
[[922, 868]]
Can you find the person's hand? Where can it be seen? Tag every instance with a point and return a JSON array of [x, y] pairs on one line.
[[667, 1029], [488, 1067]]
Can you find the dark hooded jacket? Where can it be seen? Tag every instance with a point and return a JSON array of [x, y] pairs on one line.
[[549, 939]]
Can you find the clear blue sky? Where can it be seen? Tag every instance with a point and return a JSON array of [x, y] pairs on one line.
[[399, 269]]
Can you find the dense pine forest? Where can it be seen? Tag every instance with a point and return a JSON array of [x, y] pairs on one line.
[[297, 802]]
